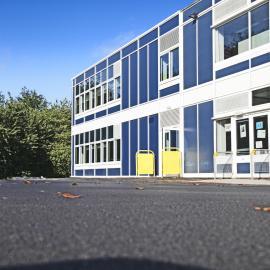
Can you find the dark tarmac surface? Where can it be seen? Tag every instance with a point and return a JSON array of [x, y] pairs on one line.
[[117, 226]]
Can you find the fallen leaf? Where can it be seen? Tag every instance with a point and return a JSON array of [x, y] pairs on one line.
[[68, 195], [263, 209], [140, 188], [27, 182]]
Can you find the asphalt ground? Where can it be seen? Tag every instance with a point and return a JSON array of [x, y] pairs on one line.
[[133, 225]]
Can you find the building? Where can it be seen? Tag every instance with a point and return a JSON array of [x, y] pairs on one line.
[[196, 86]]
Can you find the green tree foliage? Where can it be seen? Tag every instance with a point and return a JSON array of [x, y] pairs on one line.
[[34, 136]]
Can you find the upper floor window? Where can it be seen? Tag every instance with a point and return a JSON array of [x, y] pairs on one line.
[[169, 65], [233, 37]]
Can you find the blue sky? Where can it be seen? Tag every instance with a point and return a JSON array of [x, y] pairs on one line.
[[43, 43]]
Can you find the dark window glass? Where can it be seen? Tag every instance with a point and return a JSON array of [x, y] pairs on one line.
[[242, 127], [98, 77], [76, 155], [92, 81], [92, 136], [77, 105], [104, 75], [82, 138], [77, 140], [98, 96], [92, 98], [87, 101], [86, 158], [110, 132], [260, 26], [175, 62], [77, 89], [233, 38], [104, 133], [110, 72], [104, 146], [87, 85], [86, 137], [81, 88], [104, 91], [118, 146], [118, 87], [261, 132], [98, 152], [92, 153], [261, 96], [111, 151], [164, 67], [97, 134], [111, 91]]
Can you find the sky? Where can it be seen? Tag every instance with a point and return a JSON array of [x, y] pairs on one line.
[[44, 43]]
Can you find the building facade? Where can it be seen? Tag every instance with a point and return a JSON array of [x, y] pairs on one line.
[[197, 83]]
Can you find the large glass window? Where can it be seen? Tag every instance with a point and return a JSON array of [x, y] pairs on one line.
[[111, 91], [164, 67], [98, 152], [110, 72], [86, 158], [104, 75], [104, 149], [111, 150], [175, 62], [104, 93], [92, 81], [261, 96], [98, 77], [224, 144], [242, 137], [82, 103], [92, 98], [87, 85], [260, 26], [261, 132], [92, 146], [81, 88], [87, 101], [76, 155], [232, 38], [118, 87], [118, 148], [77, 90], [98, 96], [77, 105]]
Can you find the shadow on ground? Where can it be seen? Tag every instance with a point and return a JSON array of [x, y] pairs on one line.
[[105, 264]]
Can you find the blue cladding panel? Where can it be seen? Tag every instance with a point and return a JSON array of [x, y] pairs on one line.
[[125, 83], [101, 172], [197, 8], [153, 70], [143, 75], [80, 78], [125, 148], [114, 109], [143, 133], [190, 56], [89, 117], [112, 59], [89, 172], [129, 49], [101, 65], [232, 69], [101, 113], [243, 168], [133, 145], [170, 90], [169, 25], [148, 37], [79, 121], [114, 172], [206, 139], [260, 60], [133, 79], [190, 140], [89, 72], [79, 173], [205, 54], [153, 133]]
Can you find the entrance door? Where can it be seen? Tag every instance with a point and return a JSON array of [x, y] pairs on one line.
[[171, 156]]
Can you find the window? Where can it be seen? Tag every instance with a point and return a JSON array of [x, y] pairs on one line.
[[92, 98], [77, 90], [77, 140], [86, 157], [92, 136], [87, 85], [77, 105], [87, 101], [260, 26], [118, 87], [76, 155], [92, 146], [261, 96], [98, 152], [98, 96], [169, 65], [81, 154], [97, 134], [82, 138], [104, 133], [164, 67], [232, 38], [118, 148], [110, 132], [104, 93], [224, 136], [92, 81], [81, 88], [98, 78], [175, 62], [104, 75], [82, 103], [86, 136], [111, 151], [104, 149], [261, 132], [242, 137], [111, 91], [110, 72]]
